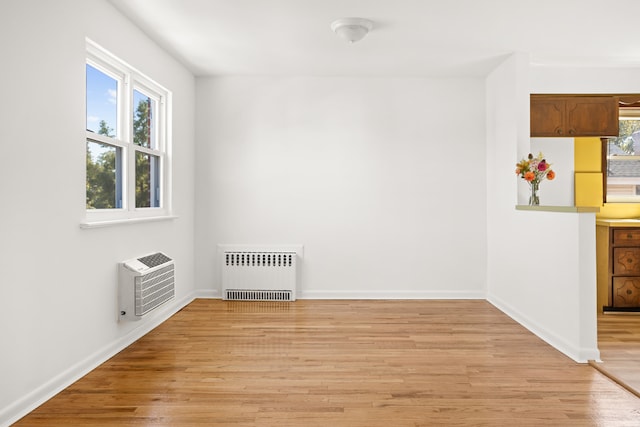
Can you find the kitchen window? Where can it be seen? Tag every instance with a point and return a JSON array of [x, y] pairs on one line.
[[623, 160]]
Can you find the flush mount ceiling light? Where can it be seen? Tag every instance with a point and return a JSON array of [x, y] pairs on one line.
[[351, 29]]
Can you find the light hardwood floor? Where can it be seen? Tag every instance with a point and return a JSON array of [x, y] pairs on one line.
[[340, 363], [619, 344]]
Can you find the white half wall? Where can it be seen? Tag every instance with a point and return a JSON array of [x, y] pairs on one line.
[[604, 79], [541, 265], [381, 179], [58, 310]]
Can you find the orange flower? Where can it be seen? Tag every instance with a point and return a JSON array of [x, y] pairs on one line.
[[529, 176], [517, 171], [550, 175]]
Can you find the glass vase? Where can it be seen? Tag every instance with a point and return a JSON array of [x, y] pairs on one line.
[[534, 200]]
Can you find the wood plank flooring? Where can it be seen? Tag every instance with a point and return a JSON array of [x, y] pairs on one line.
[[619, 344], [340, 363]]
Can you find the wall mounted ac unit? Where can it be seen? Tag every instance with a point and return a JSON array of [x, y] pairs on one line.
[[144, 284]]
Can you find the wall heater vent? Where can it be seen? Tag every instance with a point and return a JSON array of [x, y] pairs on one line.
[[144, 284], [258, 276]]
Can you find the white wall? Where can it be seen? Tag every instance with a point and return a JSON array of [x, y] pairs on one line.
[[58, 312], [541, 265], [381, 179], [559, 153], [605, 79]]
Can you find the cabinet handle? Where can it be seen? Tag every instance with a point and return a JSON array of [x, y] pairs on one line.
[[572, 131], [559, 131], [629, 236]]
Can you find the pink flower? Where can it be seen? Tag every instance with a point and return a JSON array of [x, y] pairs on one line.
[[542, 166]]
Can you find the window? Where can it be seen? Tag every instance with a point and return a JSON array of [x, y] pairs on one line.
[[623, 160], [127, 156]]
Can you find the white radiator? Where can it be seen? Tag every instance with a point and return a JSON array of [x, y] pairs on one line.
[[258, 276], [144, 284]]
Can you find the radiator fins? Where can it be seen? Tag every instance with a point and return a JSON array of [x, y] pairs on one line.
[[267, 259], [258, 276], [251, 295]]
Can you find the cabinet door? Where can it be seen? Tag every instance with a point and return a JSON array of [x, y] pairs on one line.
[[547, 117], [626, 291], [592, 116], [626, 261]]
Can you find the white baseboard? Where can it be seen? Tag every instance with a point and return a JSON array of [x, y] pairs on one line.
[[207, 293], [580, 355], [216, 293], [46, 391], [393, 295]]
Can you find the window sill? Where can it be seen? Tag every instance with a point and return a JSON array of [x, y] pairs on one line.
[[570, 209], [113, 222]]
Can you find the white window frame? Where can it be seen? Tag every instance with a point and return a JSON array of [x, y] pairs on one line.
[[131, 79], [630, 182]]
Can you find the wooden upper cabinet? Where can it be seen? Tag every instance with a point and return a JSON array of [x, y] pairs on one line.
[[574, 115], [548, 116]]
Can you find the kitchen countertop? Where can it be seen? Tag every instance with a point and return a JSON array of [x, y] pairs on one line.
[[628, 222], [570, 209]]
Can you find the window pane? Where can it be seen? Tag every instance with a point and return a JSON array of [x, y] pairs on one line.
[[623, 163], [147, 180], [102, 102], [104, 172], [144, 109]]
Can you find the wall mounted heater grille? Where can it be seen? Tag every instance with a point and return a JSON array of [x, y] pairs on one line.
[[144, 284], [258, 276]]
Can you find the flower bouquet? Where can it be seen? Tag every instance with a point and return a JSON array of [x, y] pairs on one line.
[[533, 170]]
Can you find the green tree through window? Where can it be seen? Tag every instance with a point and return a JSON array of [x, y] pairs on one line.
[[623, 162], [101, 172], [146, 163]]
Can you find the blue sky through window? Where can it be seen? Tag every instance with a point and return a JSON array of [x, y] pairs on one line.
[[102, 92]]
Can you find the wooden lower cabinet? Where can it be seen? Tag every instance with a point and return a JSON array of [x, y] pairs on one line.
[[626, 291], [626, 261], [618, 264]]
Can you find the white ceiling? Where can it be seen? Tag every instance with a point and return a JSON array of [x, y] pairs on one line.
[[410, 37]]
